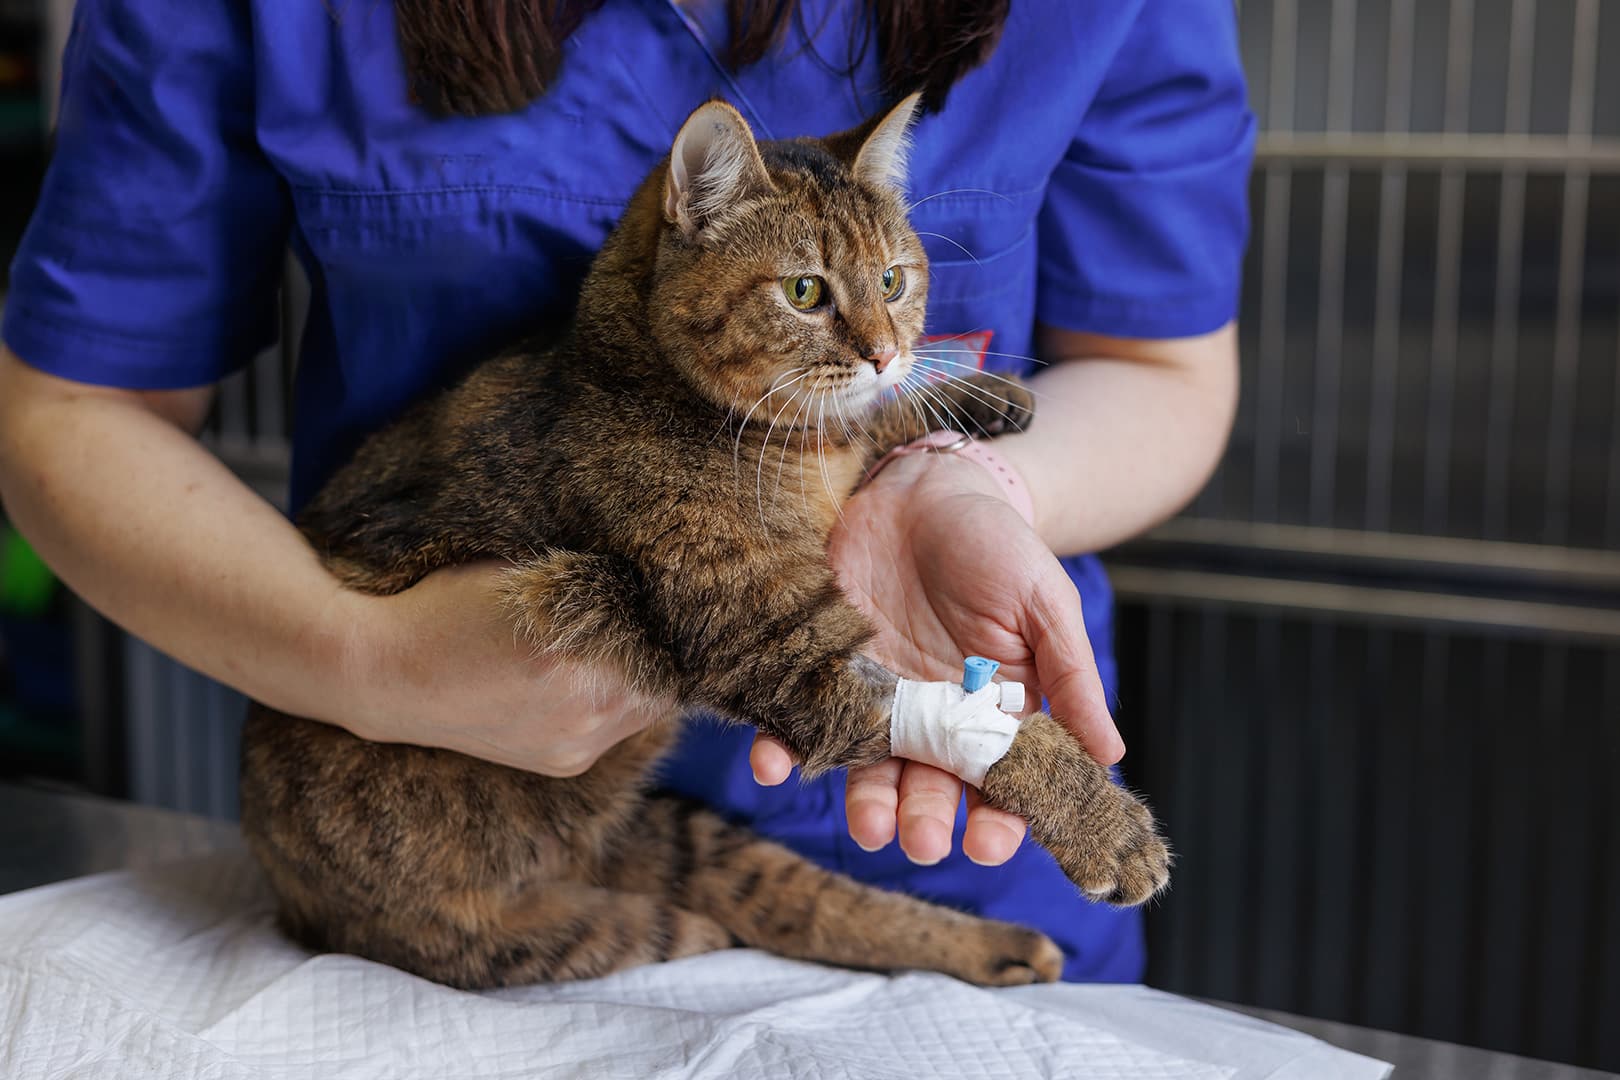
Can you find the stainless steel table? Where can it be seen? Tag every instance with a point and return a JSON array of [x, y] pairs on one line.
[[48, 836]]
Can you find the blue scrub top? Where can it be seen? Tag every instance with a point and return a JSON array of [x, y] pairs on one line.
[[1091, 175]]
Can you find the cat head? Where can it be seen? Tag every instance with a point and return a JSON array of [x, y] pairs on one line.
[[788, 285]]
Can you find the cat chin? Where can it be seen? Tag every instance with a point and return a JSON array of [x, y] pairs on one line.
[[865, 398]]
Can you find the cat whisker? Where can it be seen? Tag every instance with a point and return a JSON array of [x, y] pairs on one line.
[[844, 421], [924, 350], [776, 385], [931, 402], [920, 396], [759, 471], [860, 432], [956, 415], [953, 243], [804, 433], [782, 459], [742, 428], [907, 394], [974, 367], [945, 404], [821, 459], [946, 339], [956, 191], [980, 392], [725, 421]]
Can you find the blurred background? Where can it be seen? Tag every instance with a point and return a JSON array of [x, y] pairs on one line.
[[1372, 677]]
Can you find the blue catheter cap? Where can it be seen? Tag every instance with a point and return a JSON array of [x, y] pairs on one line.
[[976, 672]]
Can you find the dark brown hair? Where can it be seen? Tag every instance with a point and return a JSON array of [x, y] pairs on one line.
[[476, 57]]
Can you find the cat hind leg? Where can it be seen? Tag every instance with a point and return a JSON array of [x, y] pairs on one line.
[[552, 932], [770, 898]]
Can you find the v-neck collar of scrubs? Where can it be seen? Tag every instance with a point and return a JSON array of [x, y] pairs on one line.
[[711, 39]]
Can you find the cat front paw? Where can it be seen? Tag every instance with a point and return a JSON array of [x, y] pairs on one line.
[[1101, 835], [988, 405], [1117, 856]]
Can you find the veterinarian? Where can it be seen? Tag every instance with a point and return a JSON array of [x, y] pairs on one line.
[[1079, 181]]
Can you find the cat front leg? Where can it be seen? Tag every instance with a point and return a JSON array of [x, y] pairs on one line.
[[980, 404], [800, 676], [783, 650], [588, 607], [786, 653]]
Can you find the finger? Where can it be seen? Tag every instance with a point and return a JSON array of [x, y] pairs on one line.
[[770, 761], [871, 802], [927, 812], [992, 836], [1055, 627]]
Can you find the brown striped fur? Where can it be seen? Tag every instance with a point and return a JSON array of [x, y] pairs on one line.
[[658, 523]]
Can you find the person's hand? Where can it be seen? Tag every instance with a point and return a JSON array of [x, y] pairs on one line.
[[946, 568], [440, 665]]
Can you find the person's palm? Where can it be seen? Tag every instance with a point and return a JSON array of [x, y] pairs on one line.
[[946, 569], [941, 580]]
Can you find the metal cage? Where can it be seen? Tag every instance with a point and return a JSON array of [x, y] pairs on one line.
[[1373, 674]]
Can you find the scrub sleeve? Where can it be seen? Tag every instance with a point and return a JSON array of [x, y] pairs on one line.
[[152, 260]]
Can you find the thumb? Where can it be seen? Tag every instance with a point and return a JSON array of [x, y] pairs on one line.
[[1054, 626]]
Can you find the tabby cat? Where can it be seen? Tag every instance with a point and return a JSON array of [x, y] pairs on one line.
[[604, 469]]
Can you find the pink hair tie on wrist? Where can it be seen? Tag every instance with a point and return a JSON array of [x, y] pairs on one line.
[[954, 442]]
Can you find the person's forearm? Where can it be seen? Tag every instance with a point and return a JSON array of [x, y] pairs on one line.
[[1119, 445], [152, 530]]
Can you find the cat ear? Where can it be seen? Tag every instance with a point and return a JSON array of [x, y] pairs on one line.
[[881, 160], [713, 163]]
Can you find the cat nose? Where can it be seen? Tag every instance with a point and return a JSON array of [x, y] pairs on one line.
[[881, 358]]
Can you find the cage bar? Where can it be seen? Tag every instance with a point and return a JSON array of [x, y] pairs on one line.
[[1274, 272], [1571, 275], [1509, 269], [1387, 292], [1330, 298], [1448, 276]]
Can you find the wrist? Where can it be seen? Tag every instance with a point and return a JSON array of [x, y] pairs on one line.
[[962, 466], [357, 656]]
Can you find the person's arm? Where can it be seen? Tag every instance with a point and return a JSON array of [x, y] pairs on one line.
[[1126, 432], [118, 496]]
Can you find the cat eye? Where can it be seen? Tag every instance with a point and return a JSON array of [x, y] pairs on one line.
[[894, 283], [804, 291]]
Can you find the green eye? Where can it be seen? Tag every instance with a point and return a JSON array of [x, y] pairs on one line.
[[894, 283], [804, 292]]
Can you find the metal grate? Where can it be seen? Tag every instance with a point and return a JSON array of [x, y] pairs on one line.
[[1432, 329], [1373, 675], [1404, 827]]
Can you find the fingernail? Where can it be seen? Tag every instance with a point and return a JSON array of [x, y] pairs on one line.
[[1000, 849], [921, 860]]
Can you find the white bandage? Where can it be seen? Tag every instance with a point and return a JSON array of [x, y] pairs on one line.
[[964, 734]]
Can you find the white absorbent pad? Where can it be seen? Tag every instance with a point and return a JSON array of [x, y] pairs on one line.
[[179, 973]]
